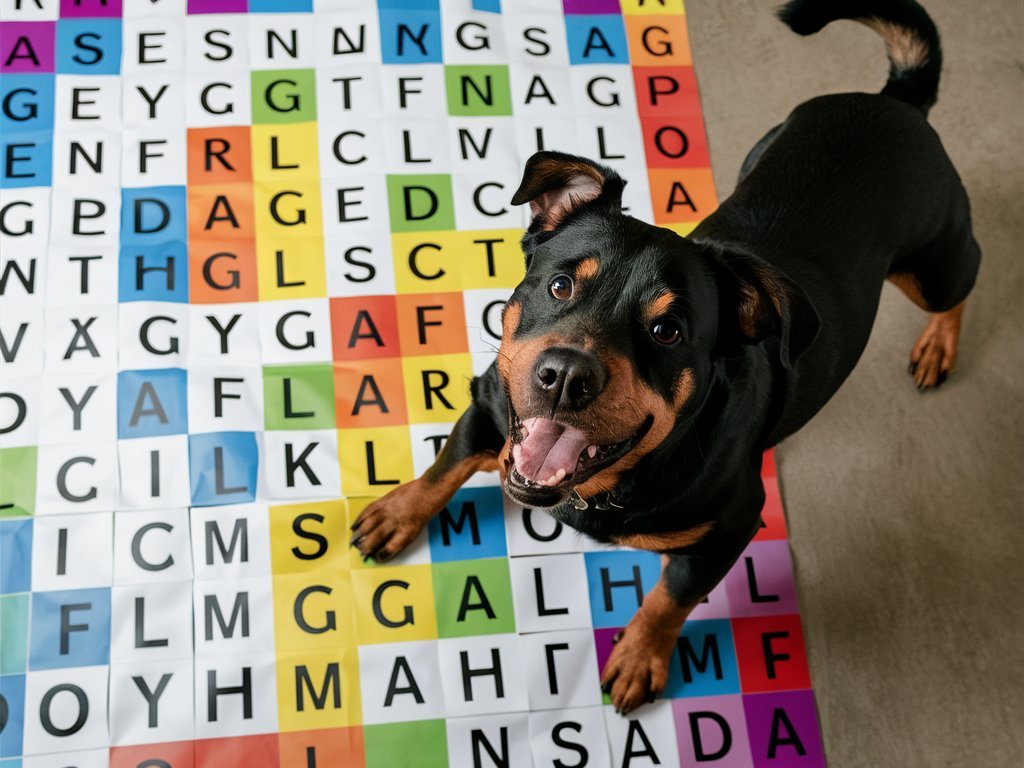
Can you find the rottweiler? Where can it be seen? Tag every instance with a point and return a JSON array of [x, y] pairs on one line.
[[641, 375]]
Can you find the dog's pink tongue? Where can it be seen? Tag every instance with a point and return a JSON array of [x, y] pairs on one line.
[[546, 448]]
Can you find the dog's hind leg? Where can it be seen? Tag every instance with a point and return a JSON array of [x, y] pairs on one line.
[[938, 279]]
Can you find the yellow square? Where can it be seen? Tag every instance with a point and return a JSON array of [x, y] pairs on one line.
[[287, 268], [309, 537], [313, 610], [682, 229], [651, 7], [394, 604], [281, 153], [427, 262], [375, 460], [318, 690], [491, 258], [437, 387], [288, 209]]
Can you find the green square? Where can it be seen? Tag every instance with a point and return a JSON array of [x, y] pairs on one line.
[[473, 597], [419, 744], [298, 396], [13, 633], [422, 203], [17, 481], [475, 90], [284, 96]]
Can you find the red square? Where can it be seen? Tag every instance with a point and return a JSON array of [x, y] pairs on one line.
[[364, 328], [770, 653], [180, 754], [773, 519], [341, 747], [666, 91], [370, 393], [675, 142], [251, 751], [432, 324]]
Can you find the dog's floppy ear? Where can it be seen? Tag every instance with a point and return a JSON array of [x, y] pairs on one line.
[[758, 300], [556, 184]]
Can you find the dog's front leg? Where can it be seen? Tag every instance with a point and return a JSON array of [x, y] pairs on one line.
[[389, 524], [637, 670]]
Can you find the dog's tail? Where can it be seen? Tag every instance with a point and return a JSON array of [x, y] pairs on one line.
[[911, 40]]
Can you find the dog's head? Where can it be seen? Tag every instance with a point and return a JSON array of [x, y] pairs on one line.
[[610, 340]]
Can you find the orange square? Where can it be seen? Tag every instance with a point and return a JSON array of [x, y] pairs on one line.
[[219, 155], [369, 393], [675, 142], [662, 91], [682, 194], [259, 751], [221, 212], [364, 327], [431, 324], [180, 754], [331, 746], [658, 41], [221, 271]]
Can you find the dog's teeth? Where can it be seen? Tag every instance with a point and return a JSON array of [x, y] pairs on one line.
[[559, 476], [592, 451]]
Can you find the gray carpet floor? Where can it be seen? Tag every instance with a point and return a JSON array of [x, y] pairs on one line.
[[906, 509]]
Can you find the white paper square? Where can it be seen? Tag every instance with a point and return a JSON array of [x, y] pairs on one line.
[[561, 669], [347, 39], [535, 532], [152, 546], [233, 617], [79, 408], [225, 399], [81, 339], [297, 331], [76, 152], [87, 218], [570, 737], [230, 542], [154, 472], [151, 100], [151, 703], [153, 45], [281, 40], [648, 735], [550, 592], [216, 42], [311, 472], [19, 410], [224, 714], [152, 334], [222, 100], [228, 334], [497, 686], [494, 739], [72, 551], [26, 219], [400, 682], [80, 275], [67, 692], [151, 622], [352, 147], [76, 478]]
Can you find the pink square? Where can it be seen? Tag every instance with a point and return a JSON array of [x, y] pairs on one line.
[[27, 46]]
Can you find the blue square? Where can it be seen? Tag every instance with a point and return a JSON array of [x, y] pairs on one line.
[[26, 103], [153, 272], [89, 46], [472, 525], [223, 467], [70, 628], [410, 5], [15, 556], [26, 159], [617, 582], [596, 39], [410, 36], [153, 215], [12, 698], [152, 403], [491, 6], [704, 661]]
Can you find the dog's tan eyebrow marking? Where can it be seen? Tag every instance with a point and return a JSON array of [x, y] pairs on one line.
[[664, 542], [659, 306], [587, 269]]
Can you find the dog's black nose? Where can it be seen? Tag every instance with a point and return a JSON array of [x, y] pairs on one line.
[[568, 378]]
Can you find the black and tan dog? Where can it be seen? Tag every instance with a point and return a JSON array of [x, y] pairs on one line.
[[641, 374]]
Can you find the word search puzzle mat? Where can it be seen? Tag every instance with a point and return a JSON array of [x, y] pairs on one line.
[[253, 252]]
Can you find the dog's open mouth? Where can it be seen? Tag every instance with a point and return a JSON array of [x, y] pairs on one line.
[[548, 459]]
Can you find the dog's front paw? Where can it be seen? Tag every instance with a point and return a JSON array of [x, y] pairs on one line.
[[389, 524], [637, 670]]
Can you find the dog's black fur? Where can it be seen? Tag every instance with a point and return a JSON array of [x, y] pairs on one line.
[[773, 297]]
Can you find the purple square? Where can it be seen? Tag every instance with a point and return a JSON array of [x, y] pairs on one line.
[[93, 9], [218, 6], [27, 46], [761, 583], [591, 6], [783, 730], [712, 730], [604, 645]]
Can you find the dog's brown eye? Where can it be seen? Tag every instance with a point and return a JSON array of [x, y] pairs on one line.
[[666, 332], [561, 287]]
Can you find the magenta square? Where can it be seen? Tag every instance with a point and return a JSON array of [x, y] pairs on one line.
[[591, 6], [27, 46], [218, 6], [783, 730], [714, 606], [92, 9], [712, 730], [761, 581], [604, 645]]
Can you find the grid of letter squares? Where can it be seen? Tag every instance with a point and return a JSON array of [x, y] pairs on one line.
[[271, 256]]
